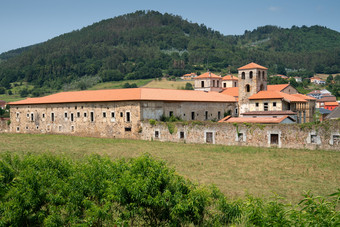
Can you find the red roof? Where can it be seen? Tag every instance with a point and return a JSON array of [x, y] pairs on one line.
[[260, 120], [276, 95], [252, 66], [284, 112], [229, 77], [208, 75], [331, 103], [232, 91], [306, 97], [129, 94], [277, 87]]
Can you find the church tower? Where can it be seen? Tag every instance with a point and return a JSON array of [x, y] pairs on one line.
[[208, 82], [252, 78]]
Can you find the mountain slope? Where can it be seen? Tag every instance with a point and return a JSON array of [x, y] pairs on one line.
[[150, 44]]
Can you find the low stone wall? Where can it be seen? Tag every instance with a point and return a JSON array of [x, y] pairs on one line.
[[325, 135], [4, 126]]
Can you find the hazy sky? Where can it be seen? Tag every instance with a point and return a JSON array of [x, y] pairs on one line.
[[27, 22]]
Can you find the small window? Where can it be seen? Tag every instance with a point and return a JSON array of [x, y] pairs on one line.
[[156, 134], [17, 115], [274, 139], [78, 114], [247, 88], [240, 137], [243, 75], [263, 75], [274, 104], [181, 135], [313, 139], [121, 114], [128, 129], [265, 106], [192, 115], [235, 84], [37, 127], [251, 75], [128, 117], [52, 116], [219, 115], [92, 116], [336, 139], [104, 114], [32, 116], [206, 115], [60, 128], [18, 129], [85, 114], [209, 137], [224, 84], [213, 83], [65, 114], [202, 83], [72, 117], [28, 115], [75, 107], [43, 115], [72, 128], [218, 83], [257, 104], [171, 113]]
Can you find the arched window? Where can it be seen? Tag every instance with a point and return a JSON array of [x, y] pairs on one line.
[[202, 83], [251, 75], [243, 75], [263, 75], [247, 88]]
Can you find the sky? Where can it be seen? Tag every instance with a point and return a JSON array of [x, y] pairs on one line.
[[23, 22]]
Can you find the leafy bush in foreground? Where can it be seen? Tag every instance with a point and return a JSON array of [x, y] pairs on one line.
[[54, 191]]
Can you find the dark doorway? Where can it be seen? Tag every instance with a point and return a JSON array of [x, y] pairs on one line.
[[274, 139], [209, 137]]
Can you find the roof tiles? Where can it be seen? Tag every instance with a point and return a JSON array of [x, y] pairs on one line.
[[208, 75], [252, 66]]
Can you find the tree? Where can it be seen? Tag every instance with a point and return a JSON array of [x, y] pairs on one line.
[[2, 90], [293, 82], [188, 86]]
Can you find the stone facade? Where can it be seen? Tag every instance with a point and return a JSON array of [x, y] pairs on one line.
[[326, 136], [250, 82], [108, 119], [4, 124]]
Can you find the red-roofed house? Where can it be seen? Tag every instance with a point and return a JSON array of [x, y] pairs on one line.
[[189, 76], [208, 82], [317, 80], [331, 105], [229, 81]]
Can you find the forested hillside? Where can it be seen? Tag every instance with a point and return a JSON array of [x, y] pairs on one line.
[[150, 44]]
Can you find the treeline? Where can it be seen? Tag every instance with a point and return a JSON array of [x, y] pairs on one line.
[[45, 190], [150, 45]]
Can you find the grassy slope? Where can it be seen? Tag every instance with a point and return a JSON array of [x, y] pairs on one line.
[[166, 84], [235, 170]]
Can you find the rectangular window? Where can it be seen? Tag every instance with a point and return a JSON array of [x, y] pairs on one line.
[[52, 116], [65, 114], [219, 115], [72, 118], [206, 115], [156, 134], [28, 115], [265, 106], [72, 128], [78, 114], [32, 116], [104, 114], [43, 115], [171, 113], [181, 135], [17, 114], [121, 114], [274, 104], [92, 116], [128, 129], [224, 84], [336, 140], [209, 137], [128, 117], [240, 137], [18, 129], [192, 115], [112, 114], [85, 114], [213, 83], [257, 104], [274, 139]]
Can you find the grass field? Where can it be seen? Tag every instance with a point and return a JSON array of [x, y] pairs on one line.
[[166, 84], [119, 84], [235, 170]]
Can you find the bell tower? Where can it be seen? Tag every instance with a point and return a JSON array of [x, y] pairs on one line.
[[252, 78]]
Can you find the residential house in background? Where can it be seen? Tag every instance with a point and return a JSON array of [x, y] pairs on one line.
[[318, 94], [317, 80], [322, 113], [282, 76], [2, 104], [331, 105], [320, 103], [189, 76], [298, 79]]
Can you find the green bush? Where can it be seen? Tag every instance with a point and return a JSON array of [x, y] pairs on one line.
[[38, 190]]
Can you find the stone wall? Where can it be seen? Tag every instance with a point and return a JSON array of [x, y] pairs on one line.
[[300, 136], [4, 124]]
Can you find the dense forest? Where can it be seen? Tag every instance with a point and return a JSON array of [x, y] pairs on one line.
[[148, 44]]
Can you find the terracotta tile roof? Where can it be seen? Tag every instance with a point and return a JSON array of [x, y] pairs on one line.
[[327, 99], [232, 91], [189, 75], [259, 120], [331, 103], [252, 66], [276, 87], [285, 112], [306, 97], [276, 95], [129, 94], [229, 77], [208, 75]]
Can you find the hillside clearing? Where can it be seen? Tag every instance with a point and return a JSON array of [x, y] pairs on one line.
[[168, 84], [235, 170]]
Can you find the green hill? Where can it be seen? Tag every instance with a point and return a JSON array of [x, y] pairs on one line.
[[144, 45]]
